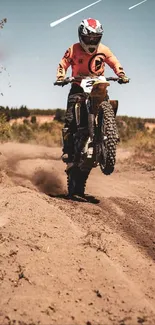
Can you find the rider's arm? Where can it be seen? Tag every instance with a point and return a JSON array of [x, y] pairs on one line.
[[113, 62], [64, 64]]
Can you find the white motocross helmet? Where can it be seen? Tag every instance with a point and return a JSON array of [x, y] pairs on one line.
[[90, 33]]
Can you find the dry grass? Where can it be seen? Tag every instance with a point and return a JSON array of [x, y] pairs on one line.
[[48, 134], [144, 144], [47, 139]]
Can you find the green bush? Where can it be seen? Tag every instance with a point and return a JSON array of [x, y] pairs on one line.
[[60, 115], [33, 119], [22, 132], [128, 127], [5, 129], [26, 121]]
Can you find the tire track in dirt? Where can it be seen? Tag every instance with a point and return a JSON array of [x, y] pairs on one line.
[[125, 233]]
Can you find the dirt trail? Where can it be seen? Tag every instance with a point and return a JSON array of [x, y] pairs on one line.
[[75, 262]]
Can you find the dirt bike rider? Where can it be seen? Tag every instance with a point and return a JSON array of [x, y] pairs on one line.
[[88, 57]]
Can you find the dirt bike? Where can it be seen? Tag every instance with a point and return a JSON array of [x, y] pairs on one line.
[[95, 144]]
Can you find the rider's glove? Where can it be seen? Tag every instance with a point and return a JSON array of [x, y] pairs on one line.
[[60, 78], [123, 79], [60, 81]]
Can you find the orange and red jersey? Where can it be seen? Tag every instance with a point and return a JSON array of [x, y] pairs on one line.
[[85, 64]]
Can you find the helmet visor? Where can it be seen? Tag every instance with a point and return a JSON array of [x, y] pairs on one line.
[[91, 39]]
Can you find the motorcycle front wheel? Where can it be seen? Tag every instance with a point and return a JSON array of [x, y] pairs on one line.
[[109, 139]]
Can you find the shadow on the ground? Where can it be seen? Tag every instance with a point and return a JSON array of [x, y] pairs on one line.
[[86, 198]]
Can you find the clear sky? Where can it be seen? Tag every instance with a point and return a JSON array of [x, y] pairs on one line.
[[31, 50]]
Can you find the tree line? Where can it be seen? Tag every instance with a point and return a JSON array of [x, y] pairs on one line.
[[59, 115], [23, 111]]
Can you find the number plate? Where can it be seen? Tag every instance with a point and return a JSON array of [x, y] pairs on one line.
[[87, 84]]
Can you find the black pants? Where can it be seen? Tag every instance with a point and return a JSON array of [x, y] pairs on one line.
[[75, 94]]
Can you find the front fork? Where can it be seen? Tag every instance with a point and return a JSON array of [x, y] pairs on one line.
[[92, 145], [92, 122]]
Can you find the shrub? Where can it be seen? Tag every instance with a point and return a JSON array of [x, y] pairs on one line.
[[22, 132], [33, 119], [60, 115], [5, 129]]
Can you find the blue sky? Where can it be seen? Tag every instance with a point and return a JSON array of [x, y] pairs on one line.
[[31, 50]]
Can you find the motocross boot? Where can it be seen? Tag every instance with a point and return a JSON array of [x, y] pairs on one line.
[[67, 149]]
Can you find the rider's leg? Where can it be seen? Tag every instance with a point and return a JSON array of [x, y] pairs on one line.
[[67, 144], [70, 123]]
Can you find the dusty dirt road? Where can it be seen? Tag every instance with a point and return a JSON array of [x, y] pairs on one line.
[[87, 262]]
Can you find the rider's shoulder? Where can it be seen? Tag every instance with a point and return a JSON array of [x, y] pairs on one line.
[[72, 49], [103, 48], [76, 46], [76, 49]]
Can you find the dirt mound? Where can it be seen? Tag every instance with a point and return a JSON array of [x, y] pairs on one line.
[[74, 262]]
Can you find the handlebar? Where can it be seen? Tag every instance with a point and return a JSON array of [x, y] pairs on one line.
[[68, 80], [65, 81]]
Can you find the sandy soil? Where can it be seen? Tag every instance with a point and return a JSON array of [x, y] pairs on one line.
[[39, 118], [75, 262]]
